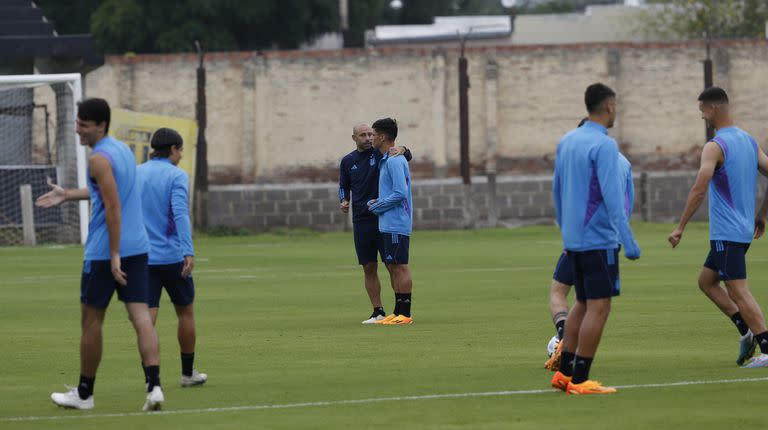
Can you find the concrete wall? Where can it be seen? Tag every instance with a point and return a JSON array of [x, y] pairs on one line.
[[438, 203], [287, 116]]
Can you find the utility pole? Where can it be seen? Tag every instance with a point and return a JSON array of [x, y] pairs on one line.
[[464, 166], [201, 156], [710, 131]]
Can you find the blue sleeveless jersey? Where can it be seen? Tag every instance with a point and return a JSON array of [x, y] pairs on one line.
[[133, 235], [732, 190]]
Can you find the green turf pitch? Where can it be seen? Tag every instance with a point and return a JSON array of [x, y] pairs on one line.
[[279, 324]]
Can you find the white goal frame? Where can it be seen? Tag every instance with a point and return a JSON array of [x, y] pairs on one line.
[[75, 83]]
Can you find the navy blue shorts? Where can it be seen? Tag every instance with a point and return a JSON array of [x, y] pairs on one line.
[[97, 283], [394, 248], [563, 270], [181, 290], [596, 274], [367, 242], [727, 259]]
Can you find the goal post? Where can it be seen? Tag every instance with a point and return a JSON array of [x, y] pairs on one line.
[[38, 141]]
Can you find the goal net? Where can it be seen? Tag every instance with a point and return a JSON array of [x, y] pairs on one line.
[[37, 142]]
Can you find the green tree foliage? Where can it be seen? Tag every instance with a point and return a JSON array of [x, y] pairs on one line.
[[147, 26], [694, 19], [120, 26]]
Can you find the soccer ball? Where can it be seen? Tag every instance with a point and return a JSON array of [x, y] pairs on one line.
[[552, 346]]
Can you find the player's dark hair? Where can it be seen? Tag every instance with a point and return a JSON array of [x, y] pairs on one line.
[[595, 95], [163, 140], [387, 126], [713, 95], [96, 110]]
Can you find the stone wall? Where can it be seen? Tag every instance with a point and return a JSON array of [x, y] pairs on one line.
[[287, 116], [438, 203]]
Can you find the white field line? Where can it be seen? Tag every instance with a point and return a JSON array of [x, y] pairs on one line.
[[270, 273], [363, 401]]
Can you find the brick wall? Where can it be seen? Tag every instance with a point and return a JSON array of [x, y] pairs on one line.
[[438, 203], [288, 116]]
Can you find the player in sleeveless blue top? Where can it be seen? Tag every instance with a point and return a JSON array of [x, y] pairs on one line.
[[729, 167], [115, 253], [165, 202]]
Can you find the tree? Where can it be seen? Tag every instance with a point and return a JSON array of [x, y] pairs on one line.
[[147, 26], [694, 19]]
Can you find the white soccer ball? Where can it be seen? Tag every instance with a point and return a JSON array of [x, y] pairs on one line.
[[552, 346]]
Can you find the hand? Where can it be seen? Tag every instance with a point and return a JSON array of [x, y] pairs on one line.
[[371, 202], [396, 150], [189, 264], [344, 206], [675, 237], [117, 273], [55, 197], [632, 250], [759, 227]]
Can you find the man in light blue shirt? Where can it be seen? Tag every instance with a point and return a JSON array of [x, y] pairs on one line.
[[562, 279], [394, 207], [115, 254], [165, 201], [729, 167], [590, 208]]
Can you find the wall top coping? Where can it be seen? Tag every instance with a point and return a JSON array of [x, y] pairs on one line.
[[416, 51], [427, 182]]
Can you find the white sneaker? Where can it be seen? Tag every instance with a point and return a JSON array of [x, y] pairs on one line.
[[373, 319], [155, 399], [756, 362], [71, 399], [195, 379]]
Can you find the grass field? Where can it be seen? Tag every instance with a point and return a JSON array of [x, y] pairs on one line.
[[279, 334]]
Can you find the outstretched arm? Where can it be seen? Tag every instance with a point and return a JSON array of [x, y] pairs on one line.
[[710, 157], [59, 195]]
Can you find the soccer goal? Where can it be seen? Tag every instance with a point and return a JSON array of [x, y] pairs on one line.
[[38, 141]]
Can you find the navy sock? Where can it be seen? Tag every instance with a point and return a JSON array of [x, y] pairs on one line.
[[740, 324], [762, 341], [403, 302], [379, 311], [581, 367], [187, 363], [153, 376], [144, 368], [566, 363], [85, 387]]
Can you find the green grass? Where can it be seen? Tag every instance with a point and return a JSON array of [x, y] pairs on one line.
[[278, 323]]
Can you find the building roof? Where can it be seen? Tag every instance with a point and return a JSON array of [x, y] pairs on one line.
[[25, 34]]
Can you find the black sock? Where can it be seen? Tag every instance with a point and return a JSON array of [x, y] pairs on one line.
[[85, 387], [403, 304], [153, 377], [560, 327], [398, 305], [379, 311], [187, 363], [566, 363], [762, 341], [581, 367], [740, 324], [143, 367]]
